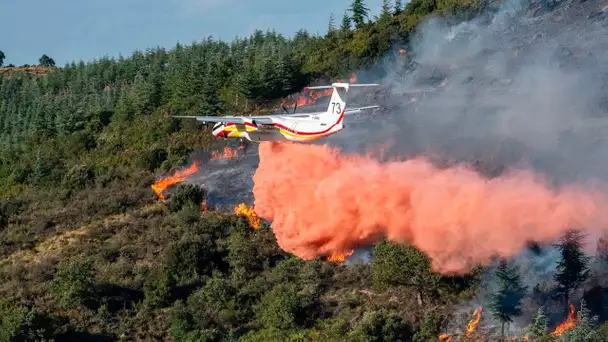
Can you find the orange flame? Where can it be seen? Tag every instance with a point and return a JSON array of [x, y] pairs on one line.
[[567, 324], [402, 51], [472, 326], [179, 176], [340, 257], [445, 337], [227, 153], [474, 322], [313, 95], [204, 206], [353, 78], [249, 212]]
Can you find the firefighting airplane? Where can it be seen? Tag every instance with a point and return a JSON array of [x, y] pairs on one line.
[[305, 127]]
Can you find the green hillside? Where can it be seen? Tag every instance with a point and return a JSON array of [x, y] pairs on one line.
[[87, 252]]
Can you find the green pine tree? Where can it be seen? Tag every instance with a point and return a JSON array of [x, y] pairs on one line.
[[539, 331], [345, 27], [332, 23], [359, 13], [2, 57], [385, 14], [398, 7], [141, 95], [572, 269], [506, 302]]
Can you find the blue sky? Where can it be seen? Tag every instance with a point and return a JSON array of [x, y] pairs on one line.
[[74, 30]]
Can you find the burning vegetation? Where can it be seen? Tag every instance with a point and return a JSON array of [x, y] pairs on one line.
[[312, 96], [339, 257], [227, 153], [472, 325], [249, 212], [182, 175], [179, 176], [567, 324]]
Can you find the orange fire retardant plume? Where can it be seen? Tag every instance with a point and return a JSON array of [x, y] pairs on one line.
[[322, 202]]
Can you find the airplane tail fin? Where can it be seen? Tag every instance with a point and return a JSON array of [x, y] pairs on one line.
[[337, 103]]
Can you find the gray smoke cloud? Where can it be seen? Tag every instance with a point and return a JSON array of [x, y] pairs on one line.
[[511, 89]]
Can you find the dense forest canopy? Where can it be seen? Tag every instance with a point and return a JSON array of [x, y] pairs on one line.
[[87, 252]]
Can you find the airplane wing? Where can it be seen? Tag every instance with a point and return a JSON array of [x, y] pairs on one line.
[[358, 110], [265, 120]]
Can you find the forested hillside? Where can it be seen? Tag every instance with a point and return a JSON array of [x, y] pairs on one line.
[[88, 252]]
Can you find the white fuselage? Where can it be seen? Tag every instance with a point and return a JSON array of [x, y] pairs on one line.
[[301, 128]]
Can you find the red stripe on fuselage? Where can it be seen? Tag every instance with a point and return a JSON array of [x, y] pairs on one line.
[[294, 131]]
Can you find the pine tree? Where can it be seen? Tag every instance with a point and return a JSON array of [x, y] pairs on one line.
[[332, 23], [141, 95], [386, 11], [602, 250], [359, 13], [505, 304], [572, 269], [539, 331], [42, 170], [2, 57], [398, 7], [345, 27]]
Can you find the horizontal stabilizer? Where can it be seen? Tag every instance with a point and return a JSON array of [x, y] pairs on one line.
[[358, 110], [343, 85]]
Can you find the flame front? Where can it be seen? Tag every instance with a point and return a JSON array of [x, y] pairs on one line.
[[567, 324], [249, 212], [340, 257], [474, 322], [472, 327], [227, 153], [179, 176]]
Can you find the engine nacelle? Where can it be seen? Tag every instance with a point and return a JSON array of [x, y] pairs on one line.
[[235, 130]]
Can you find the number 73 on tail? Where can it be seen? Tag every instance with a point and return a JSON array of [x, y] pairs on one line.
[[304, 127]]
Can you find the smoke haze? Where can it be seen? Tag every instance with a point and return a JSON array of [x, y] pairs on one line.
[[511, 89]]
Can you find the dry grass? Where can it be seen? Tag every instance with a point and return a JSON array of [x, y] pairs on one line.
[[54, 245], [30, 70]]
